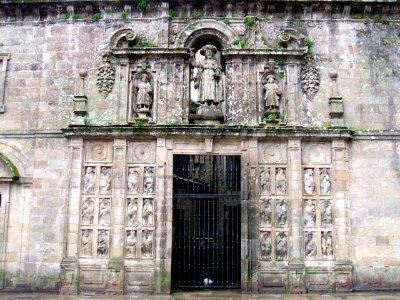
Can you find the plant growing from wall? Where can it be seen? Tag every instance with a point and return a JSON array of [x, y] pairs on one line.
[[249, 21], [227, 21], [123, 16], [74, 17], [280, 61], [191, 25], [142, 5], [239, 42], [172, 14], [96, 17], [148, 44]]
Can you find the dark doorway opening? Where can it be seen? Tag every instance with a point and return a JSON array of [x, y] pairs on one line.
[[206, 223]]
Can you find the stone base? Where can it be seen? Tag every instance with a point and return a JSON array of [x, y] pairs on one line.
[[208, 115], [144, 120], [115, 277], [69, 276], [343, 276], [297, 274]]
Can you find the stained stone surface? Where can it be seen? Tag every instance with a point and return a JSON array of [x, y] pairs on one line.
[[86, 147]]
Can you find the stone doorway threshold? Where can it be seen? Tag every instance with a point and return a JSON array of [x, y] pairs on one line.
[[210, 295]]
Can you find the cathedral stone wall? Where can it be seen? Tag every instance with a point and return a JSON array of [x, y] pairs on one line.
[[101, 92]]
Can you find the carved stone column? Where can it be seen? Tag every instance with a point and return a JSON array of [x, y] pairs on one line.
[[296, 262], [292, 89], [123, 85], [69, 264], [114, 284], [340, 187], [163, 218], [250, 215]]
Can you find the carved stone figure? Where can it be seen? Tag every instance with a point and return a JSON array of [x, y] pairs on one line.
[[309, 183], [132, 211], [325, 182], [326, 213], [87, 211], [272, 94], [326, 244], [265, 245], [102, 243], [131, 242], [144, 94], [133, 181], [266, 212], [281, 245], [208, 77], [281, 212], [147, 212], [310, 245], [280, 180], [105, 180], [148, 180], [104, 211], [147, 243], [309, 213], [265, 180], [89, 180], [86, 242]]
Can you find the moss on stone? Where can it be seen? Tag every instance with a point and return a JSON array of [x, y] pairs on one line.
[[12, 167]]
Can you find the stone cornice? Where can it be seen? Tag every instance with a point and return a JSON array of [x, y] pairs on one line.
[[203, 130]]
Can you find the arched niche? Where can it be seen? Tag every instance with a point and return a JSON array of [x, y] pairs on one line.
[[272, 85], [206, 30], [136, 80], [15, 156]]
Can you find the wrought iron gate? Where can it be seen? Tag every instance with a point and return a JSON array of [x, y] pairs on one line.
[[206, 224]]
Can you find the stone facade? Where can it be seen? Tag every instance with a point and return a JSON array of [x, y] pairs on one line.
[[96, 97]]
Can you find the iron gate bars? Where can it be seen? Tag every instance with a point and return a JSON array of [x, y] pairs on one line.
[[206, 224]]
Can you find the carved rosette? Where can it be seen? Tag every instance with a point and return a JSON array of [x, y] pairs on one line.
[[105, 76]]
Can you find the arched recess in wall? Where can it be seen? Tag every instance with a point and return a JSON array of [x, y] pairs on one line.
[[16, 158], [206, 30]]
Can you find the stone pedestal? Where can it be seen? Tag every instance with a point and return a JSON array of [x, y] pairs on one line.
[[69, 276], [336, 111], [115, 277], [343, 276], [208, 115], [80, 110], [297, 276]]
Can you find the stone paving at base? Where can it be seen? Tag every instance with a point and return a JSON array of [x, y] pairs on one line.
[[209, 295]]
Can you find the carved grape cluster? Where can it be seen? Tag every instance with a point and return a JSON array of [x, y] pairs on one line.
[[105, 76], [310, 79]]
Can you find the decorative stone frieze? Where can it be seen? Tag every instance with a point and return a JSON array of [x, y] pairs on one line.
[[4, 57]]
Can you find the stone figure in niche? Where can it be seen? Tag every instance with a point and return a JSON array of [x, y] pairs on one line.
[[208, 77], [266, 212], [132, 211], [265, 179], [102, 244], [326, 244], [147, 243], [309, 183], [265, 245], [281, 212], [105, 180], [89, 180], [131, 242], [86, 242], [148, 180], [104, 211], [310, 245], [326, 213], [147, 212], [133, 181], [272, 95], [144, 95], [87, 211], [280, 180], [309, 213], [281, 245], [325, 182]]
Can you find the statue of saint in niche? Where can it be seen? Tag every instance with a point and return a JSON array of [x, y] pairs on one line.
[[208, 77], [272, 95], [144, 95]]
